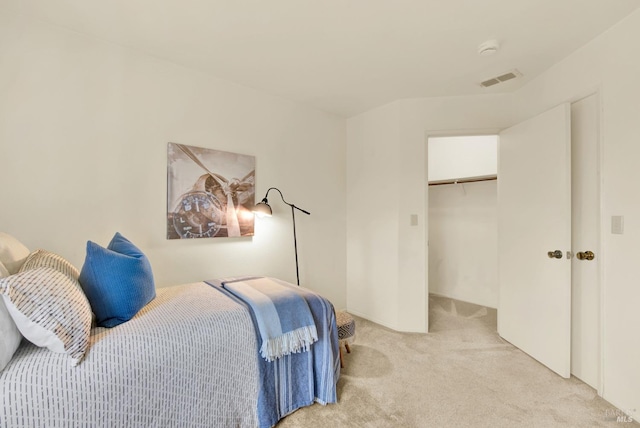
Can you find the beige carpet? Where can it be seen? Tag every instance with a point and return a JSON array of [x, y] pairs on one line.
[[461, 374]]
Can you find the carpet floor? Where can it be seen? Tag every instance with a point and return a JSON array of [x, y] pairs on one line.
[[461, 374]]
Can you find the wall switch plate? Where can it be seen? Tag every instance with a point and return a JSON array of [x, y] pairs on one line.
[[617, 224], [414, 220]]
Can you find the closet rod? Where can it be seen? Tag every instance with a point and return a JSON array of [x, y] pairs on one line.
[[464, 180]]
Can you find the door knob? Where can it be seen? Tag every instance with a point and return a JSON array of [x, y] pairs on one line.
[[587, 255], [557, 254]]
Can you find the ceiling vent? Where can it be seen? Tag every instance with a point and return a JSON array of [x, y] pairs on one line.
[[500, 79]]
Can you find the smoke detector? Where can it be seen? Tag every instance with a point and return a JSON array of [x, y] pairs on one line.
[[501, 79], [488, 48]]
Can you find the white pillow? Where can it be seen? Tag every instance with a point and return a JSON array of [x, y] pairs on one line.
[[49, 309], [10, 336], [12, 253]]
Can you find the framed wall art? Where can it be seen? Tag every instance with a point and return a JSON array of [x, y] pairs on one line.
[[210, 193]]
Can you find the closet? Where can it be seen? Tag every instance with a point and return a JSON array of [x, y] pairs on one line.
[[514, 244], [462, 218]]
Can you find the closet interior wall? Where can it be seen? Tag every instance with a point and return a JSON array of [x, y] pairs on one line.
[[463, 241]]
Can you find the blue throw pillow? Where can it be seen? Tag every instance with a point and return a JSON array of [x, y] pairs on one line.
[[117, 280]]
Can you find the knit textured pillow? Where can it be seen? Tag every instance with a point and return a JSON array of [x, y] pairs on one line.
[[117, 280], [49, 309], [43, 258]]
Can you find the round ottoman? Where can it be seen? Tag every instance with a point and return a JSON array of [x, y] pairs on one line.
[[346, 332]]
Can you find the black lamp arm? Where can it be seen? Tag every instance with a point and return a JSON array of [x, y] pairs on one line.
[[283, 200]]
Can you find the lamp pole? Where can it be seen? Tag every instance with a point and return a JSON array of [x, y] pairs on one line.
[[264, 208], [295, 241]]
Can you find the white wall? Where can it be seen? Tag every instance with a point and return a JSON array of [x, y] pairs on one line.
[[387, 259], [607, 64], [372, 207], [463, 253], [84, 127], [457, 157]]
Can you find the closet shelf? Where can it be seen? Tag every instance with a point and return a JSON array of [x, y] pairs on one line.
[[464, 180]]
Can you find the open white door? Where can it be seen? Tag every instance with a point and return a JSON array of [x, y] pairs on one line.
[[534, 221]]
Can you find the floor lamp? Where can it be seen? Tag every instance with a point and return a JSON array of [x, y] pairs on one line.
[[263, 209]]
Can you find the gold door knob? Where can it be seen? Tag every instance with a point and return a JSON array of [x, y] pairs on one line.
[[587, 255], [557, 254]]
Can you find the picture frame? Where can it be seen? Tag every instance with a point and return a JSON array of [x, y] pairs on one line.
[[210, 193]]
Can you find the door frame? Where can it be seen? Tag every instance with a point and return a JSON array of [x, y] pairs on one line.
[[467, 132], [600, 266], [601, 235], [597, 92]]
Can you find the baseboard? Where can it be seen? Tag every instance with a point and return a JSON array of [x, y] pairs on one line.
[[372, 319], [450, 296]]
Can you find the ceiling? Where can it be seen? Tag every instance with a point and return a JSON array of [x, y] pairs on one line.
[[344, 56]]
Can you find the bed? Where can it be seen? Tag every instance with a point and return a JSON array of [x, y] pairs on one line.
[[188, 358]]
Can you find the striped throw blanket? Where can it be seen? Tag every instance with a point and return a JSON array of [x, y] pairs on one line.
[[284, 320]]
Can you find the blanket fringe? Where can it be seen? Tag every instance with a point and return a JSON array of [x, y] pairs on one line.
[[292, 342]]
